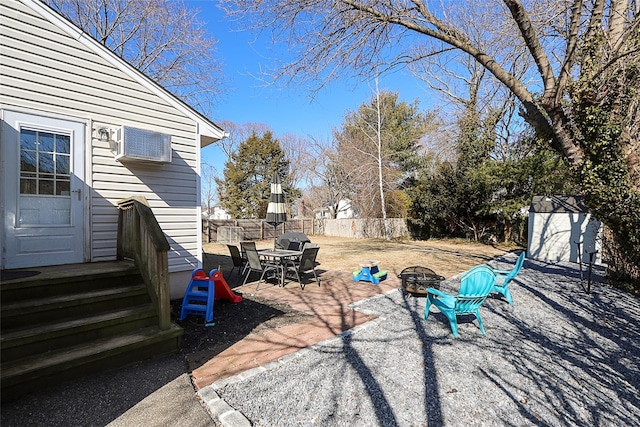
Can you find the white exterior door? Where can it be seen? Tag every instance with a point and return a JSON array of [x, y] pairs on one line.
[[43, 193]]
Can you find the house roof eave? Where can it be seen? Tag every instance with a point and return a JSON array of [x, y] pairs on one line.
[[209, 132]]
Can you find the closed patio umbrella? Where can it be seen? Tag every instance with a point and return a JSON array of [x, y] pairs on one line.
[[276, 211]]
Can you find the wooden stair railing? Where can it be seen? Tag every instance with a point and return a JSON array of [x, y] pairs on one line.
[[141, 239]]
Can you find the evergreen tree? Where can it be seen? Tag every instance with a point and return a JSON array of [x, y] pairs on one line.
[[484, 197], [244, 192]]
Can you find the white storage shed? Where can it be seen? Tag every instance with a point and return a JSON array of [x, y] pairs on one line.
[[562, 229]]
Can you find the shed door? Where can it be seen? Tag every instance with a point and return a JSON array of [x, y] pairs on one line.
[[43, 175]]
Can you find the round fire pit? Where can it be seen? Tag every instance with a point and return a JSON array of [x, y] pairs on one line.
[[416, 280]]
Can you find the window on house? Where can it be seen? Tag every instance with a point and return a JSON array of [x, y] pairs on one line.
[[45, 163]]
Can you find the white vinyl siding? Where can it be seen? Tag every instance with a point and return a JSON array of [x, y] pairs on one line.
[[45, 69]]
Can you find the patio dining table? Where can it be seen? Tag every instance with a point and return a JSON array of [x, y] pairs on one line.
[[279, 257]]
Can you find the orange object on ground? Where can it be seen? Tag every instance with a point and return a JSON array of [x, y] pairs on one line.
[[222, 289]]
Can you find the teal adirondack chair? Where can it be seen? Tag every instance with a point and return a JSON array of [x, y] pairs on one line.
[[503, 277], [475, 285]]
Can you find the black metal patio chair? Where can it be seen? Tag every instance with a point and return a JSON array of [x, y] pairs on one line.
[[306, 263], [255, 264], [238, 262]]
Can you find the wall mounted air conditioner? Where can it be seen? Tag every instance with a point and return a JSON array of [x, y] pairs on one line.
[[142, 145]]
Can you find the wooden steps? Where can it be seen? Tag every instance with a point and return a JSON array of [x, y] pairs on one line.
[[69, 322]]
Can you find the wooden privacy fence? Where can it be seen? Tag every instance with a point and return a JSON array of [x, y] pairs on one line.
[[235, 230], [230, 230], [365, 228]]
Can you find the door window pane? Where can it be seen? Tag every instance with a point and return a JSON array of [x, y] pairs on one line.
[[28, 186], [45, 163], [28, 139], [62, 164], [45, 142], [45, 187], [27, 161], [63, 144], [62, 188]]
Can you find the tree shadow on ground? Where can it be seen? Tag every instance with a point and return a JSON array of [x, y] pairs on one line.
[[581, 352]]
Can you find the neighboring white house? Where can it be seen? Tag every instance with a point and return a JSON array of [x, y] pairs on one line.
[[557, 224], [345, 211], [218, 212], [322, 213], [65, 102]]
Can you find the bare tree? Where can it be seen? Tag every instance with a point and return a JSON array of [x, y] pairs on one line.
[[379, 150], [295, 149], [469, 86], [328, 176], [313, 198], [238, 133], [165, 40], [372, 132], [208, 187], [581, 94], [377, 147]]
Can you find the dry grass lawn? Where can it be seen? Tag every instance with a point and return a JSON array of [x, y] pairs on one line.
[[445, 257]]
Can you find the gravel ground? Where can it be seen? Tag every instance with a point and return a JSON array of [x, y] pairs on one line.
[[558, 356]]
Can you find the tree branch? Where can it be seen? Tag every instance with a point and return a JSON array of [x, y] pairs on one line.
[[530, 38]]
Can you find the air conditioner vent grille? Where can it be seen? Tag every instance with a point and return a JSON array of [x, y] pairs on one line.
[[143, 145]]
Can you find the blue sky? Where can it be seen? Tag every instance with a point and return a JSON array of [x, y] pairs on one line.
[[285, 110]]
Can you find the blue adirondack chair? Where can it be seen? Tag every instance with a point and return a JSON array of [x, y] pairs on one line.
[[503, 277], [475, 285]]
